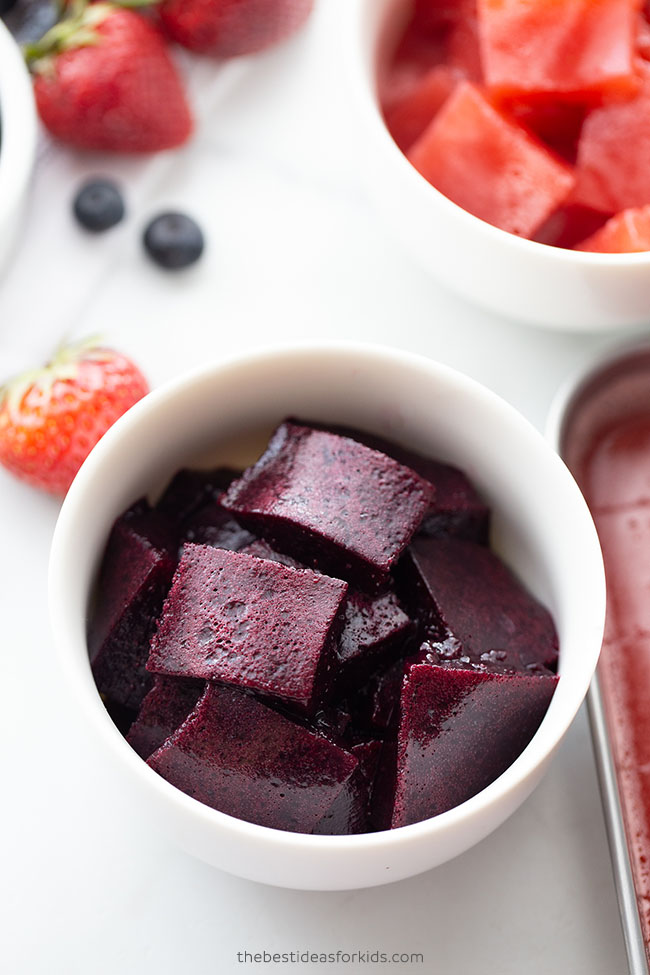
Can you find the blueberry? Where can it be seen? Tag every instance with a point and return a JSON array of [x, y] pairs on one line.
[[173, 240], [28, 20], [98, 205]]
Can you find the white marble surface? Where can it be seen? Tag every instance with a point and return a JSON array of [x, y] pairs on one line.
[[294, 251]]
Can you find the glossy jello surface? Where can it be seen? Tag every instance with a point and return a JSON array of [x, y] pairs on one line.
[[337, 649], [607, 446], [459, 729]]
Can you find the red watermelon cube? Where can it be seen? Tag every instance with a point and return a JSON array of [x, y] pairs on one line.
[[489, 165], [556, 123], [568, 47], [625, 233], [642, 39], [408, 115], [613, 164], [569, 225], [420, 48], [463, 45]]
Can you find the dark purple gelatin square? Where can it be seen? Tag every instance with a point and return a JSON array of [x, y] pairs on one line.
[[163, 710], [373, 707], [135, 576], [251, 622], [456, 508], [212, 525], [375, 631], [190, 490], [375, 628], [459, 730], [191, 501], [350, 810], [331, 502], [243, 758], [473, 607]]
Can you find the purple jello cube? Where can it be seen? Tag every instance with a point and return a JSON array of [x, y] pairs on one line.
[[373, 707], [213, 525], [349, 812], [134, 578], [459, 730], [122, 717], [367, 755], [243, 758], [163, 710], [191, 501], [331, 502], [251, 622], [262, 550], [190, 490], [330, 721], [474, 608], [456, 508], [375, 628]]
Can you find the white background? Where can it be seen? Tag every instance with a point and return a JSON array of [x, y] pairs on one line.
[[294, 251]]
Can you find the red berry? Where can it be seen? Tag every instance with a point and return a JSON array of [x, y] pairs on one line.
[[227, 28], [50, 419], [117, 91]]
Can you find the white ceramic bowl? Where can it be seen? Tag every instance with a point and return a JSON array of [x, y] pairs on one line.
[[521, 279], [224, 413], [18, 115]]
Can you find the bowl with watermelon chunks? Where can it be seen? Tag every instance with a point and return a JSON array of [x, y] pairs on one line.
[[322, 629], [507, 145], [17, 140]]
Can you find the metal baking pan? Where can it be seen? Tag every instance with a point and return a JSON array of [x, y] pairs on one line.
[[612, 384]]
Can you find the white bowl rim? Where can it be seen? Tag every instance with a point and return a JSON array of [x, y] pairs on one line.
[[537, 752], [18, 116], [366, 97]]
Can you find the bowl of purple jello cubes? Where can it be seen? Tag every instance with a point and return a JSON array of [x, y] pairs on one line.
[[328, 611]]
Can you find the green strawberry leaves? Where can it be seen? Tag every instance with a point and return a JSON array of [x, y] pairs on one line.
[[75, 28]]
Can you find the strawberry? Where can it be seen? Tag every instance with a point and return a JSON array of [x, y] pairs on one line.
[[103, 79], [226, 28], [51, 418]]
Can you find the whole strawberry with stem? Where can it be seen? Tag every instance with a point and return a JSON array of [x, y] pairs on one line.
[[227, 28], [104, 80], [51, 418]]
